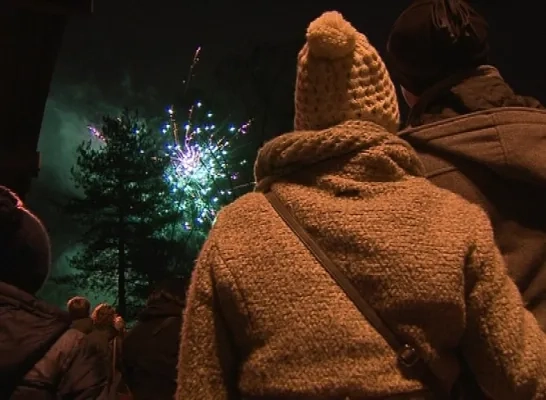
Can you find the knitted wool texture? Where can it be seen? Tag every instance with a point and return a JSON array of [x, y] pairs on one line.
[[264, 318], [341, 77]]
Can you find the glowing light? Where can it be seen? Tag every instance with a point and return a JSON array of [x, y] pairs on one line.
[[201, 173], [204, 169], [96, 133]]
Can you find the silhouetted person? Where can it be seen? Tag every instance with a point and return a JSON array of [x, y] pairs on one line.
[[78, 309], [150, 351], [475, 136], [103, 330], [41, 358], [265, 320], [107, 340]]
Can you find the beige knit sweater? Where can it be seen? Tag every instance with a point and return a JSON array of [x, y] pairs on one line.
[[264, 319]]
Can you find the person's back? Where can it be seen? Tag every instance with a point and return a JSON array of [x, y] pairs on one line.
[[100, 338], [475, 136], [41, 358], [265, 320], [150, 349], [103, 333]]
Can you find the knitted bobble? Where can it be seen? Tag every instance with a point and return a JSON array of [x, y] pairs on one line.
[[331, 36]]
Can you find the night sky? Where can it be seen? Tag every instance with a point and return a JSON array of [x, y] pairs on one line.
[[152, 41], [137, 54]]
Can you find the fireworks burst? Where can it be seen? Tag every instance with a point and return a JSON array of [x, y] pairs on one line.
[[205, 168]]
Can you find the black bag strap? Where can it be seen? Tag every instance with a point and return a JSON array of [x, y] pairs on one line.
[[407, 355]]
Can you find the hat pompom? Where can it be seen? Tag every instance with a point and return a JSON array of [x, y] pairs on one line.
[[331, 36]]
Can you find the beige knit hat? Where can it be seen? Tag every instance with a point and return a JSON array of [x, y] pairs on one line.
[[341, 77]]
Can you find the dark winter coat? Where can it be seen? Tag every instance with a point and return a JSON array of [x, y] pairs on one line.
[[84, 325], [477, 138], [41, 358], [150, 352]]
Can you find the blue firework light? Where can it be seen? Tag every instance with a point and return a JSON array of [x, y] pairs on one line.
[[204, 173], [205, 162]]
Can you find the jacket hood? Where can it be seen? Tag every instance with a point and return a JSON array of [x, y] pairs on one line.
[[161, 309], [28, 328], [360, 151], [508, 140]]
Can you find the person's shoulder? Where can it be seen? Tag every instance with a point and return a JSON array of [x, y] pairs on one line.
[[66, 347], [70, 338], [247, 209], [74, 342], [243, 203], [443, 204]]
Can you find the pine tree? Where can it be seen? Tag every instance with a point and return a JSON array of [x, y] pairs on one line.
[[124, 208]]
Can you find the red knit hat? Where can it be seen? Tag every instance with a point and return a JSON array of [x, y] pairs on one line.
[[25, 251]]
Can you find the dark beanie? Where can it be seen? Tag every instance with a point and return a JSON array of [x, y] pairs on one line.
[[25, 252], [433, 40]]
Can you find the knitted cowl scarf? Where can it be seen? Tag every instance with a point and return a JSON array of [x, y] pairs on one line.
[[359, 150]]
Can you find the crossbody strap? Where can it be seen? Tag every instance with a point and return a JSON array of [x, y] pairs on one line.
[[407, 355]]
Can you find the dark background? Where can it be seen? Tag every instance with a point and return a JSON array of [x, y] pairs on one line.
[[149, 44], [137, 53]]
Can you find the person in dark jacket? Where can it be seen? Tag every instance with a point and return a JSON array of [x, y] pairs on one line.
[[41, 358], [78, 309], [475, 136], [150, 351]]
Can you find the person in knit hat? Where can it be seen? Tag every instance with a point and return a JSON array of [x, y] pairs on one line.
[[475, 136], [36, 344], [79, 308], [341, 77], [265, 320]]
